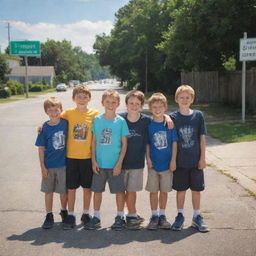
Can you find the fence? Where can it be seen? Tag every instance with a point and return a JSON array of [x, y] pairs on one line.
[[222, 87]]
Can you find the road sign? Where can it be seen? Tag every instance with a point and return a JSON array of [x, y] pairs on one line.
[[247, 49], [25, 48]]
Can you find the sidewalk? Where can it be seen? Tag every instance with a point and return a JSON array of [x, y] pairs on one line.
[[237, 160]]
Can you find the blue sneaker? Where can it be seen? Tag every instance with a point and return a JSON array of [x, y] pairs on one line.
[[119, 223], [198, 223], [178, 223], [48, 223], [70, 222], [153, 224]]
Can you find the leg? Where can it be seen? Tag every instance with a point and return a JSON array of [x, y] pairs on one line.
[[120, 201], [87, 198], [163, 200], [153, 200], [71, 199], [48, 202], [196, 197], [180, 199], [179, 220], [131, 202], [97, 199], [48, 223], [63, 201]]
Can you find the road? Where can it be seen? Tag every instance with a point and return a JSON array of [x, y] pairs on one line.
[[228, 209]]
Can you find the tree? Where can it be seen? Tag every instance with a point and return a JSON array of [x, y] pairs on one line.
[[4, 68]]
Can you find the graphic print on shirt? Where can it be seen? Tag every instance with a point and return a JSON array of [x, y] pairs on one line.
[[186, 134], [133, 134], [105, 138], [80, 132], [58, 140], [160, 140]]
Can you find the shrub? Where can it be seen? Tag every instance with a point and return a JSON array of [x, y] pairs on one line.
[[15, 87], [5, 92], [36, 88]]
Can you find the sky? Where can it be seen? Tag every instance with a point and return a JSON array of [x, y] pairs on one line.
[[78, 21]]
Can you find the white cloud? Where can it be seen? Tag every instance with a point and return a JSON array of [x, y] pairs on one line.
[[81, 33]]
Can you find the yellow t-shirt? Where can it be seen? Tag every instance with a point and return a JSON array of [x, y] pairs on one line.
[[79, 132]]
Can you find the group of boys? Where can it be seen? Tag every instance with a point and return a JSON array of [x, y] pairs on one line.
[[81, 147]]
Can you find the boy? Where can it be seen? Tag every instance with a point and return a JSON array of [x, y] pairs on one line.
[[51, 144], [108, 150], [161, 160], [190, 157], [79, 165]]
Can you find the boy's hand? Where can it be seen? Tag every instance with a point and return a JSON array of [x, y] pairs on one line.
[[149, 163], [201, 164], [168, 121], [44, 172], [95, 167], [172, 166], [39, 128], [117, 170]]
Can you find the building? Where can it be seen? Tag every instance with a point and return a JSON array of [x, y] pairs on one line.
[[35, 74]]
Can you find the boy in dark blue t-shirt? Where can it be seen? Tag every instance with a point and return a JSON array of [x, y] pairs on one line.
[[190, 157], [51, 144]]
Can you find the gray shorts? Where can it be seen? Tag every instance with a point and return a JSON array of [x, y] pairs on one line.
[[56, 181], [133, 180], [159, 181], [116, 183]]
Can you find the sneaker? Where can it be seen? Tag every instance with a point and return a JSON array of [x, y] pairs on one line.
[[119, 223], [163, 223], [48, 223], [178, 223], [198, 223], [94, 223], [64, 215], [70, 222], [153, 224], [133, 223], [85, 218]]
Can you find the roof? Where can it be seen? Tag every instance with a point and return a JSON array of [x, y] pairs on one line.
[[33, 71]]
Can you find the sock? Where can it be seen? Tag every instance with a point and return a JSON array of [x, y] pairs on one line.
[[162, 212], [63, 209], [196, 213], [71, 213], [49, 212], [181, 211], [121, 214], [96, 214], [85, 211], [154, 213], [132, 215]]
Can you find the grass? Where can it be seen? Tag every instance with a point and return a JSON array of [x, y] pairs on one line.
[[23, 97]]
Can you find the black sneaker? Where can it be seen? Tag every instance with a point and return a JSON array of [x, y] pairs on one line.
[[70, 222], [64, 215], [85, 218], [163, 223], [178, 223], [93, 224], [119, 223], [153, 224], [133, 223], [49, 221]]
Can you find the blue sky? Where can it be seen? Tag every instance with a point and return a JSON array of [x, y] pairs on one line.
[[78, 21]]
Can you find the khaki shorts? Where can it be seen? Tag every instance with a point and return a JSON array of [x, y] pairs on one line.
[[56, 181], [159, 181], [133, 180]]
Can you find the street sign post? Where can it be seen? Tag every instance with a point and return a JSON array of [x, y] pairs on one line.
[[26, 49]]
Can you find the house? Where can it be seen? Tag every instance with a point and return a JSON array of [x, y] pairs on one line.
[[35, 74]]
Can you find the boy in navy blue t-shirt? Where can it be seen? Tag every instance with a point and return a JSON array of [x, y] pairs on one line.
[[161, 161], [51, 144]]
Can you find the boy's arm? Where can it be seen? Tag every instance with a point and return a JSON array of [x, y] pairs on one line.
[[149, 162], [168, 121], [44, 170], [202, 162], [95, 166], [174, 155], [118, 166]]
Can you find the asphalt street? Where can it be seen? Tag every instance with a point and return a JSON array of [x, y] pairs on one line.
[[228, 209]]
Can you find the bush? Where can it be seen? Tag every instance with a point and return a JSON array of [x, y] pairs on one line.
[[36, 88], [5, 92], [15, 87]]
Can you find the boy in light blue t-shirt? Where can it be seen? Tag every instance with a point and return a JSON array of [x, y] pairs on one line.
[[109, 145]]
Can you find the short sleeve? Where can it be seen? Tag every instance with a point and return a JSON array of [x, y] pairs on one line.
[[40, 141], [125, 130], [174, 135], [202, 128]]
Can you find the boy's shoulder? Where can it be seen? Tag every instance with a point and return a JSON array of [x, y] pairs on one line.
[[176, 114]]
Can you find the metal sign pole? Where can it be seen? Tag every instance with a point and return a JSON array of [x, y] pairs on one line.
[[243, 85], [26, 75]]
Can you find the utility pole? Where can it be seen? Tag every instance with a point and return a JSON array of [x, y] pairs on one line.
[[9, 37]]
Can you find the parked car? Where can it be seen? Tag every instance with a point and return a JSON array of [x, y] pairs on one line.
[[61, 87], [73, 83]]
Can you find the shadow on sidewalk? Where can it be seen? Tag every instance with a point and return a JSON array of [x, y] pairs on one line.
[[84, 239]]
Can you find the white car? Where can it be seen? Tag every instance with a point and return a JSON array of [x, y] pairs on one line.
[[61, 87]]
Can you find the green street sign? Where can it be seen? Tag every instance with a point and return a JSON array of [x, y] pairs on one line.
[[25, 48]]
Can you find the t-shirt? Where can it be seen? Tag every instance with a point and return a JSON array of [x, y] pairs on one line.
[[108, 139], [53, 139], [79, 132], [136, 143], [189, 129], [160, 143]]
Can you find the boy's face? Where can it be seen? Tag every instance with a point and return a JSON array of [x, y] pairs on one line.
[[158, 109], [110, 103], [54, 112], [82, 99], [133, 105], [184, 99]]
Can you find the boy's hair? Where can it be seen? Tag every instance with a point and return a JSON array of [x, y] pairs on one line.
[[52, 102], [137, 94], [185, 88], [157, 97], [112, 93], [81, 89]]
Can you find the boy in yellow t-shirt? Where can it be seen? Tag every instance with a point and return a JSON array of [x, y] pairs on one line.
[[79, 165]]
